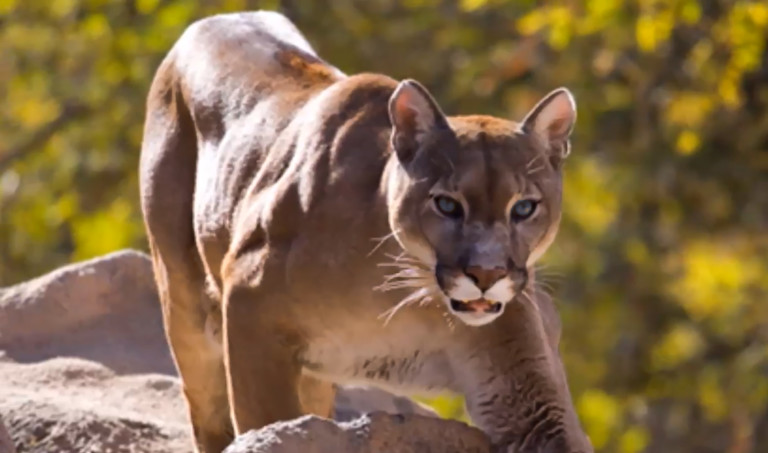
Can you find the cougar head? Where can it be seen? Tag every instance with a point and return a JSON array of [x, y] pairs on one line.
[[476, 200]]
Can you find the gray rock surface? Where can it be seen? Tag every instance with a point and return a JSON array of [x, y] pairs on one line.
[[84, 367], [374, 433], [105, 310], [74, 405], [6, 444]]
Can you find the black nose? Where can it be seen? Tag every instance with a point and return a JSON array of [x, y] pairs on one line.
[[485, 278]]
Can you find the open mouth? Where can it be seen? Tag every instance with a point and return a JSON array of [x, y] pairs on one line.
[[477, 305]]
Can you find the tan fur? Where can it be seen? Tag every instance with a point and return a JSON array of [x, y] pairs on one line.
[[278, 197]]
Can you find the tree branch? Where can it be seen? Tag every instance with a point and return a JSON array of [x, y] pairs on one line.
[[69, 113]]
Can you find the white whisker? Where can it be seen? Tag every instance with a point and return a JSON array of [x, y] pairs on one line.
[[529, 297], [410, 273], [537, 169], [399, 285], [531, 162], [398, 265], [415, 296], [546, 287], [380, 241], [405, 272]]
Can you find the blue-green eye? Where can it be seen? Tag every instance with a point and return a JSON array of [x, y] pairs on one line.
[[448, 207], [523, 209]]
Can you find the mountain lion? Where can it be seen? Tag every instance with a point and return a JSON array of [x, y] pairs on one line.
[[309, 227]]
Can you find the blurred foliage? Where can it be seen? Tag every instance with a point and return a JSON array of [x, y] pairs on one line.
[[660, 266]]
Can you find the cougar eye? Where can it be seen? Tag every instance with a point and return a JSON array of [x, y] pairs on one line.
[[523, 209], [448, 207]]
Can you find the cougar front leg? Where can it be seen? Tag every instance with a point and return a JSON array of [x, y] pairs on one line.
[[317, 396], [260, 359], [516, 390]]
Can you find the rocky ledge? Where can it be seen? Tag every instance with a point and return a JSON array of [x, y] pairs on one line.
[[84, 367]]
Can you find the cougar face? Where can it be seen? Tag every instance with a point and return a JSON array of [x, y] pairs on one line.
[[478, 198]]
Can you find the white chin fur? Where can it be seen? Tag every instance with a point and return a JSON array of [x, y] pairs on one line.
[[477, 319]]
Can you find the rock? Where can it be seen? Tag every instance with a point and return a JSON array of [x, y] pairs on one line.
[[6, 444], [105, 309], [84, 366], [72, 405], [374, 433], [49, 428]]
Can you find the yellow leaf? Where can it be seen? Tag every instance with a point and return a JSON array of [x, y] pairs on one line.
[[471, 5], [111, 71], [653, 29], [689, 108], [645, 33], [105, 231], [589, 202], [600, 414], [237, 5], [34, 111], [758, 13], [560, 21], [146, 6], [176, 14], [711, 396], [62, 8], [532, 22], [690, 12], [679, 344], [714, 278], [66, 206], [447, 406], [687, 142], [634, 440], [637, 252], [728, 90], [96, 26], [602, 11], [269, 4], [7, 6]]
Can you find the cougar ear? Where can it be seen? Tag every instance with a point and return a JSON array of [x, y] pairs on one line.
[[415, 116], [552, 119]]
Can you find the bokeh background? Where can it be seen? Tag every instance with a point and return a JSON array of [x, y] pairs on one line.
[[660, 266]]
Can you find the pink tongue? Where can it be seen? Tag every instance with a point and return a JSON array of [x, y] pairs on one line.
[[478, 304]]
